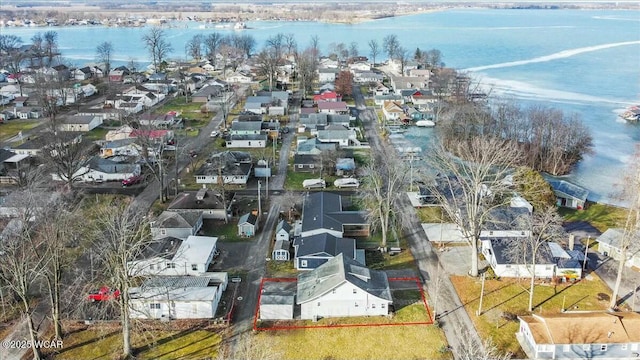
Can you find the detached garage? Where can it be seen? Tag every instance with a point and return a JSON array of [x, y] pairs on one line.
[[276, 307]]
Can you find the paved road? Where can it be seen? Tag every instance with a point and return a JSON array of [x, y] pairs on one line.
[[452, 316]]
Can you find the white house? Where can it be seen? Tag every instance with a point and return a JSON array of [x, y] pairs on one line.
[[82, 123], [505, 256], [338, 134], [239, 77], [99, 169], [178, 297], [343, 287], [247, 141], [610, 244], [283, 230], [281, 250], [580, 335], [234, 167], [175, 256]]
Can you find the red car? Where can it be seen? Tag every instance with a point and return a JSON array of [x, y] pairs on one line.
[[105, 293], [132, 180]]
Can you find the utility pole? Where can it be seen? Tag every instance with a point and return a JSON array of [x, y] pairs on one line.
[[481, 296], [259, 201], [586, 248]]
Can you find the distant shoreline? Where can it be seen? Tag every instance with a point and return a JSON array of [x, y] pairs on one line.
[[335, 13]]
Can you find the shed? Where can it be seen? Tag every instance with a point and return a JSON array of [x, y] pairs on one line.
[[247, 225], [276, 307], [283, 229], [569, 195], [281, 250]]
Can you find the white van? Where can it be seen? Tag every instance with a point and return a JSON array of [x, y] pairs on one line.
[[314, 183], [346, 182]]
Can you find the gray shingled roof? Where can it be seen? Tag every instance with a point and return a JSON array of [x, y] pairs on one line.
[[246, 126], [569, 189], [247, 218], [165, 248], [337, 271], [613, 237], [231, 162], [325, 244], [173, 219], [508, 218], [283, 225], [324, 210]]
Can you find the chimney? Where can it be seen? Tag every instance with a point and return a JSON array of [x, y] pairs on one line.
[[572, 240]]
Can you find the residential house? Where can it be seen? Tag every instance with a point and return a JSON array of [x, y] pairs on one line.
[[281, 250], [322, 212], [359, 66], [326, 62], [240, 78], [246, 127], [306, 163], [392, 111], [248, 225], [312, 251], [327, 96], [580, 335], [81, 74], [343, 287], [257, 104], [569, 263], [363, 77], [399, 83], [176, 224], [611, 241], [510, 257], [327, 74], [338, 134], [98, 169], [283, 230], [247, 141], [333, 107], [206, 93], [118, 74], [233, 166], [178, 297], [379, 89], [159, 121], [313, 146], [175, 256], [507, 221], [279, 101], [82, 123], [569, 195], [379, 100], [210, 203]]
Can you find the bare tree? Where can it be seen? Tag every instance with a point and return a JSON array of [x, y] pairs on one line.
[[470, 181], [276, 43], [22, 261], [353, 49], [267, 65], [307, 65], [194, 47], [391, 45], [104, 54], [10, 56], [473, 349], [66, 155], [121, 234], [403, 58], [212, 44], [37, 49], [290, 43], [631, 230], [315, 47], [248, 346], [374, 50], [50, 45], [156, 43], [383, 185]]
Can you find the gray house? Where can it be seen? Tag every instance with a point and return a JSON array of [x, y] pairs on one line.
[[176, 224], [306, 163], [315, 250], [581, 335], [322, 212], [247, 225], [569, 195], [207, 201], [610, 244]]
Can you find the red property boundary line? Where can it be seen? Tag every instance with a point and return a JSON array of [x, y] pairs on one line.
[[264, 280]]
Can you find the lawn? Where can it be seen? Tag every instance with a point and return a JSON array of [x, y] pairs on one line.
[[600, 216], [13, 127], [505, 298], [96, 134], [386, 342], [294, 179], [225, 232], [281, 268], [107, 343], [431, 214]]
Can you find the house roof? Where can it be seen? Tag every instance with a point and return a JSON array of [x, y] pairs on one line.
[[283, 225], [345, 164], [333, 105], [229, 163], [111, 167], [189, 200], [613, 237], [305, 159], [337, 271], [277, 299], [197, 249], [282, 245], [247, 218], [569, 189], [509, 251], [248, 137], [246, 125], [325, 245], [179, 288], [508, 218], [323, 210], [80, 119], [165, 247], [598, 327], [177, 220]]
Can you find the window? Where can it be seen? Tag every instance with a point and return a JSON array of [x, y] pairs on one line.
[[194, 267], [303, 263], [155, 306], [383, 305], [356, 305], [508, 266], [603, 347], [311, 166], [548, 267], [490, 232], [171, 265], [354, 291], [373, 306], [318, 303], [299, 166], [333, 291], [624, 346], [163, 231]]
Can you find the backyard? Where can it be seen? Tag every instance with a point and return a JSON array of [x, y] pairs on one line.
[[12, 128], [505, 299]]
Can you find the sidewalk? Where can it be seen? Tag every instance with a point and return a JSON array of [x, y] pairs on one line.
[[20, 332]]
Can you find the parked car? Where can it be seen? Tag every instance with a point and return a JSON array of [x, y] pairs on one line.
[[314, 183], [103, 294], [215, 133], [346, 182], [132, 180]]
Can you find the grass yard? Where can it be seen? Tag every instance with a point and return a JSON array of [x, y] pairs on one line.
[[281, 268], [225, 232], [505, 298], [431, 214], [96, 134], [107, 344], [386, 342], [13, 127], [600, 216], [294, 179]]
